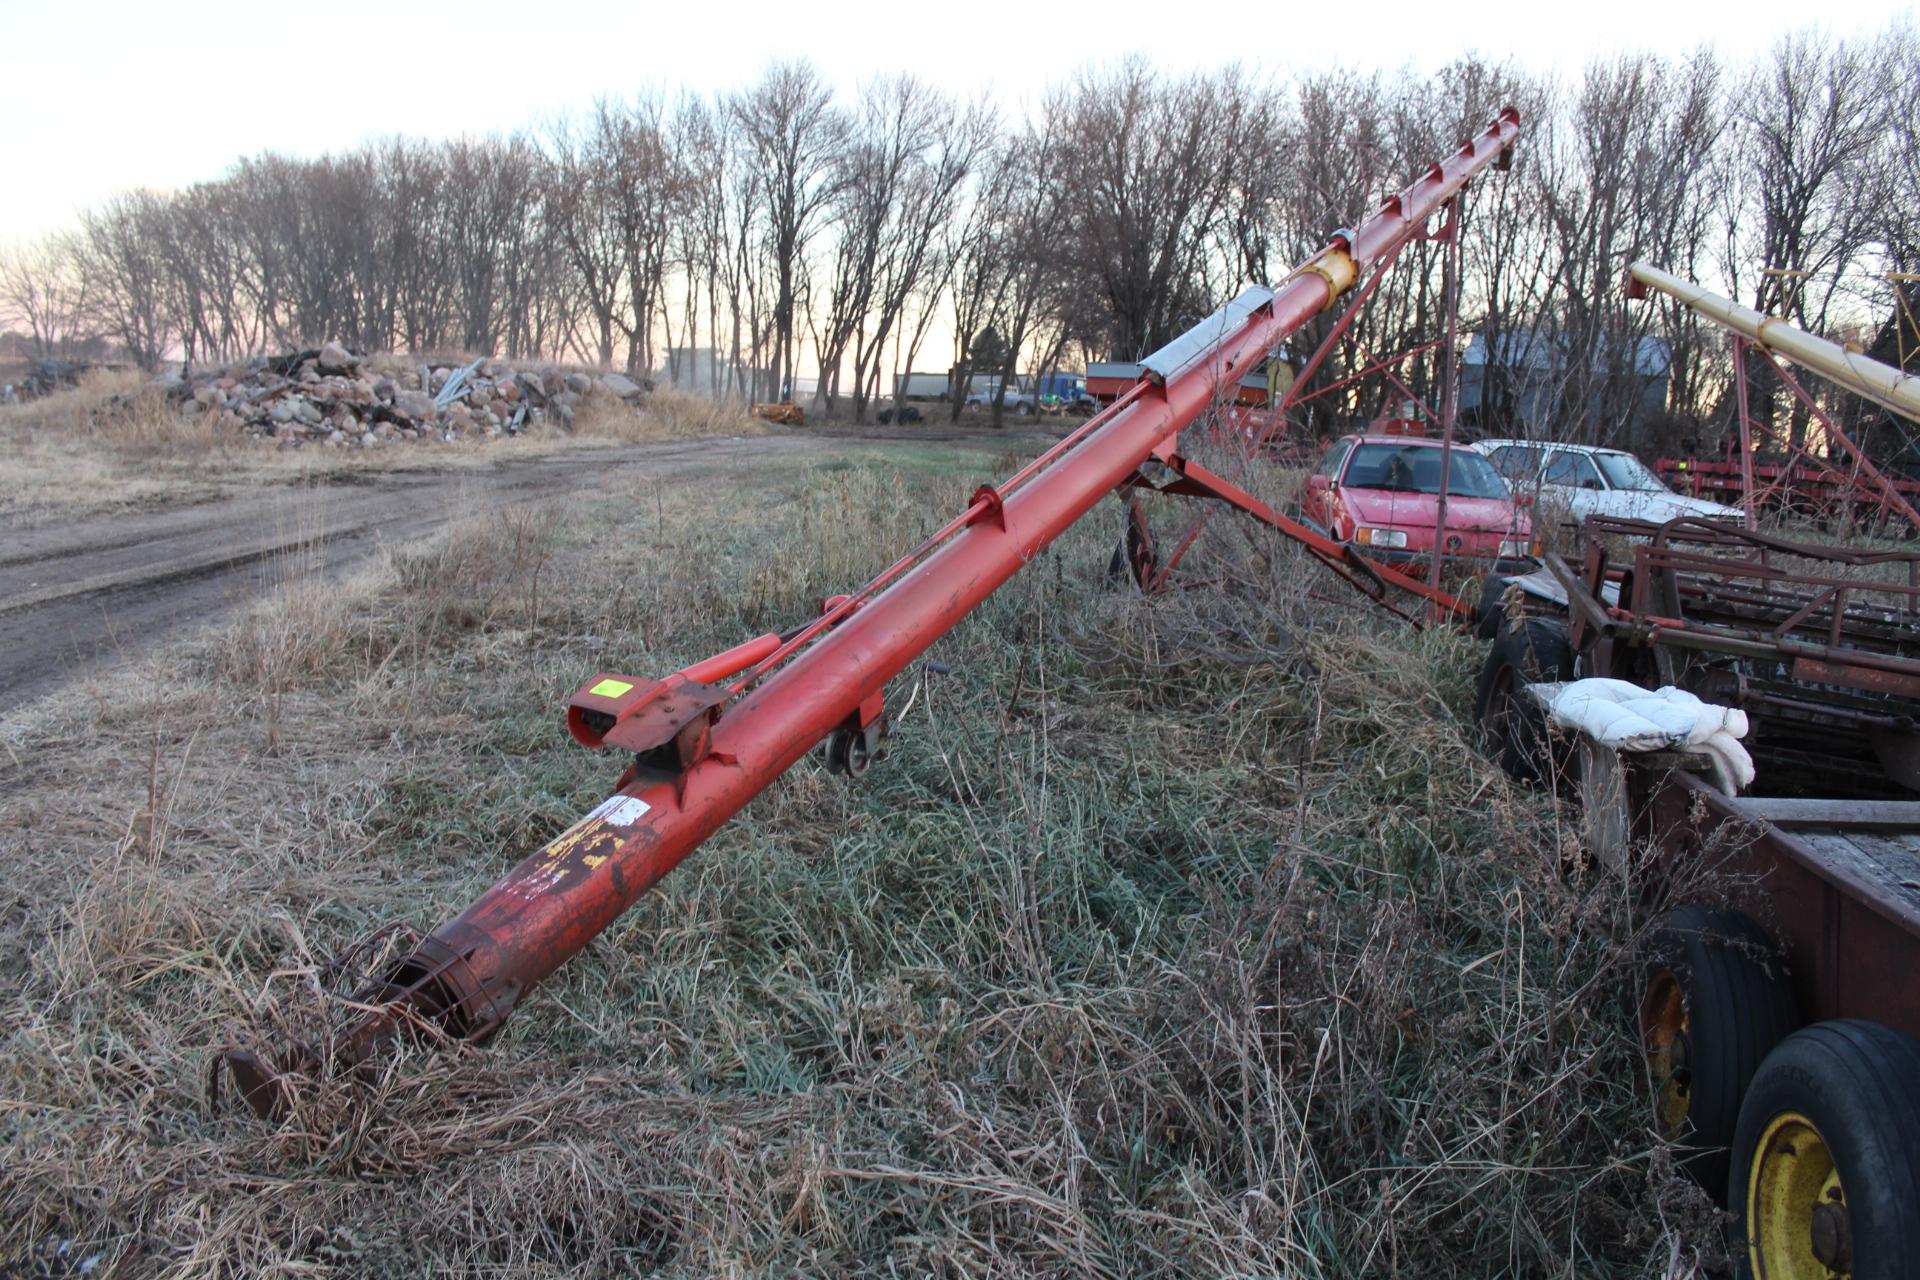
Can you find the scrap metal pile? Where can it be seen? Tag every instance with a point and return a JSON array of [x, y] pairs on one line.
[[330, 396]]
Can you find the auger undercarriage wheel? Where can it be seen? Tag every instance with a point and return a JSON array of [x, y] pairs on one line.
[[847, 753], [1135, 557], [1826, 1175], [850, 751], [1716, 1002], [1511, 725]]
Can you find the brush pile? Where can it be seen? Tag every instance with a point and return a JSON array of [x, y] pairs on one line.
[[329, 396]]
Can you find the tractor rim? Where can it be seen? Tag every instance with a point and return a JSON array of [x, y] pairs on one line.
[[1797, 1226]]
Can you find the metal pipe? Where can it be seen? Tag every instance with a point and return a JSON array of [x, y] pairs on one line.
[[1883, 384], [1449, 364], [467, 976]]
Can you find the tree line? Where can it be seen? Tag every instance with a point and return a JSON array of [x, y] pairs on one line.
[[728, 241]]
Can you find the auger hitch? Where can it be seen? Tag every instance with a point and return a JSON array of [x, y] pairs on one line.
[[708, 739]]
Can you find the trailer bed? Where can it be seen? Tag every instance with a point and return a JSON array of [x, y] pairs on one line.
[[1839, 881]]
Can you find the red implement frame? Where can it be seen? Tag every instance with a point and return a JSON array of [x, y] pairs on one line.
[[702, 748]]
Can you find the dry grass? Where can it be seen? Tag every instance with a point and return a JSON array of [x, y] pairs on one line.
[[1176, 937], [116, 442], [112, 441], [667, 414]]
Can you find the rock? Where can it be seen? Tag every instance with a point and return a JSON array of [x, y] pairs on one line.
[[337, 437], [415, 404], [285, 410], [335, 358], [367, 440], [578, 383], [509, 391], [385, 389]]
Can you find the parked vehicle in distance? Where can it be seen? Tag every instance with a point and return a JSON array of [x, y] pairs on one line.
[[1024, 403], [1065, 393], [1382, 493], [1591, 481], [921, 386]]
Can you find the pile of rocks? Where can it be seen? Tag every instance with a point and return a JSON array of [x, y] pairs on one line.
[[333, 397]]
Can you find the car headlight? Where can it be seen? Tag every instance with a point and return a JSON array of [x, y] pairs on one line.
[[1380, 537]]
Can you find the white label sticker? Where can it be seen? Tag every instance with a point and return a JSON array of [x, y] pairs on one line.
[[621, 811]]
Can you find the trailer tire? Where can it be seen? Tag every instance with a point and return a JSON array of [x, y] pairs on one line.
[[1827, 1156], [1490, 614], [1714, 1003], [1513, 727]]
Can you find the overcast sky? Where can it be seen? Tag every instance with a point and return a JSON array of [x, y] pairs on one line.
[[97, 97]]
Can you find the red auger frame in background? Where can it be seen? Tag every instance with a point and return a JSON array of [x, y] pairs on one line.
[[710, 738]]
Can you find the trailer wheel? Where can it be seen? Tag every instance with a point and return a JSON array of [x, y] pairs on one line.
[[1716, 1002], [1489, 615], [1513, 726], [1826, 1176]]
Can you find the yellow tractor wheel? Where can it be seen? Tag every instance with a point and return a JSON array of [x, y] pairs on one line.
[[1826, 1177]]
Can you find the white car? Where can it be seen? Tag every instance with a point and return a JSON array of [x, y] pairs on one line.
[[1590, 481]]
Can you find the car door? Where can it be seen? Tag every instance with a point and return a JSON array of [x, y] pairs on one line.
[[1572, 480]]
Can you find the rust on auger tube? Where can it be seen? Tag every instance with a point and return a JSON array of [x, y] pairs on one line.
[[706, 740]]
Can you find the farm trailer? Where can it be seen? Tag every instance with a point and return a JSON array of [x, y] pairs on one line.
[[1780, 1036]]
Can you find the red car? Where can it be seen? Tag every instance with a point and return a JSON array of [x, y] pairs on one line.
[[1382, 493]]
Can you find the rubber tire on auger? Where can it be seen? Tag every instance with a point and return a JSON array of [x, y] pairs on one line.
[[1513, 727], [1859, 1083], [1739, 1004]]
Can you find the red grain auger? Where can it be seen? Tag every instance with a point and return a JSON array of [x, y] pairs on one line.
[[706, 740]]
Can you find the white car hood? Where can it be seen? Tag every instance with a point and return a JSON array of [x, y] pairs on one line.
[[1641, 504]]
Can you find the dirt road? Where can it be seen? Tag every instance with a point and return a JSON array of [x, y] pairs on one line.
[[78, 594]]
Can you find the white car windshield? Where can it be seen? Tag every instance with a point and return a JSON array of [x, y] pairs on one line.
[[1624, 471]]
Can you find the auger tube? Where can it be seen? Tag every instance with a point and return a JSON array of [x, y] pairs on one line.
[[703, 750]]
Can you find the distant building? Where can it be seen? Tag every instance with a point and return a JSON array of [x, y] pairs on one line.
[[708, 369], [1523, 385]]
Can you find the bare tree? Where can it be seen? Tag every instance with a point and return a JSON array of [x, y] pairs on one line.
[[1152, 161], [42, 288], [793, 134], [121, 266]]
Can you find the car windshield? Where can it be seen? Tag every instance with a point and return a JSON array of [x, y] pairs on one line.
[[1403, 468], [1624, 471]]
